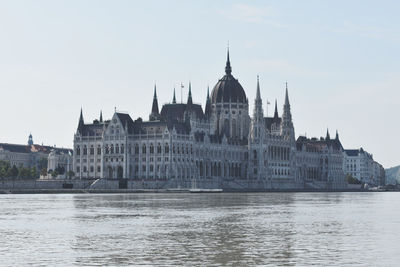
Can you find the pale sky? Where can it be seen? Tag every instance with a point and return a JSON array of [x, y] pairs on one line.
[[340, 59]]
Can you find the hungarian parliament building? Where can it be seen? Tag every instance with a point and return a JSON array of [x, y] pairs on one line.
[[220, 146]]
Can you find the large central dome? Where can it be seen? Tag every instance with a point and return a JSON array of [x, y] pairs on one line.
[[228, 89]]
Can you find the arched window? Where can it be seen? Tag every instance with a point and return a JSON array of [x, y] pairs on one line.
[[107, 149], [144, 149], [122, 149], [159, 148], [112, 149], [116, 149], [84, 150], [78, 150], [166, 148], [226, 127], [91, 150], [151, 149], [136, 149], [98, 150], [233, 128]]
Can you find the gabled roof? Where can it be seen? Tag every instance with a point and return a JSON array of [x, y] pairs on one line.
[[271, 120], [176, 112]]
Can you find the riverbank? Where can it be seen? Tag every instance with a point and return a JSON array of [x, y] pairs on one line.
[[103, 186]]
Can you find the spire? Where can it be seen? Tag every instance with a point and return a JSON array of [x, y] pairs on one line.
[[207, 110], [258, 110], [328, 137], [174, 98], [258, 96], [190, 101], [287, 96], [337, 135], [101, 116], [287, 124], [276, 110], [81, 122], [154, 109], [228, 68]]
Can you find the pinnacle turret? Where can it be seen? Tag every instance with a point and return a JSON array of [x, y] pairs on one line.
[[101, 116], [154, 109], [228, 68], [190, 101], [174, 98], [207, 110]]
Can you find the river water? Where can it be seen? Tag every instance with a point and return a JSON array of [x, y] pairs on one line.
[[221, 229]]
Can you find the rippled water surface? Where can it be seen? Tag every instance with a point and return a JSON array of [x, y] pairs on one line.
[[286, 229]]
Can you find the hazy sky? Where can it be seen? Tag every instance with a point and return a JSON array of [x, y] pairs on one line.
[[340, 59]]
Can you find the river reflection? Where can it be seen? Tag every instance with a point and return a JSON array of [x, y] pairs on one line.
[[221, 229]]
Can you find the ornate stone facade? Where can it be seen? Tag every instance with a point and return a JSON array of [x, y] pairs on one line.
[[221, 147]]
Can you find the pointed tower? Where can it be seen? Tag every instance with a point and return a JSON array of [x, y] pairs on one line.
[[337, 135], [190, 101], [30, 140], [81, 123], [228, 68], [101, 116], [328, 137], [276, 115], [257, 135], [287, 124], [154, 115], [174, 98], [207, 110]]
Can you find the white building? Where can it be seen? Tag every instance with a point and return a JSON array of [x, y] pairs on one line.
[[361, 165], [222, 146]]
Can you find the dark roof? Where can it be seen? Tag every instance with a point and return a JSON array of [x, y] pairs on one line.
[[352, 152], [269, 121], [31, 148], [228, 89], [92, 129], [318, 143], [176, 112]]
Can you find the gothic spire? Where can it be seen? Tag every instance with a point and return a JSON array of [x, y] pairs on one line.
[[101, 116], [287, 96], [287, 124], [207, 110], [154, 109], [276, 110], [228, 68], [328, 137], [190, 101], [337, 135], [258, 110], [81, 122], [174, 98], [258, 96]]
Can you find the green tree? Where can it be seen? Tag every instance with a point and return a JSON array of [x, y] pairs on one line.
[[13, 173], [54, 173], [34, 173], [42, 164], [351, 180]]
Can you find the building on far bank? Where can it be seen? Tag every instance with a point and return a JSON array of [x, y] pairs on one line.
[[30, 155], [361, 165]]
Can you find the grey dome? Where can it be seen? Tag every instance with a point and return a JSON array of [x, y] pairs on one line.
[[228, 89]]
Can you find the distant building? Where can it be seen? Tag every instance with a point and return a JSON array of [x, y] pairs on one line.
[[320, 160], [361, 165], [29, 155]]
